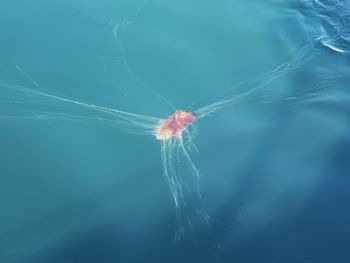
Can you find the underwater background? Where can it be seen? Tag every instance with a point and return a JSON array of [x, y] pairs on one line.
[[274, 164]]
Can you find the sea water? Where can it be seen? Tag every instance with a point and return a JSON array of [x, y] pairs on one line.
[[274, 163]]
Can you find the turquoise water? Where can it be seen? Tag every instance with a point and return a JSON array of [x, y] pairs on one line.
[[273, 161]]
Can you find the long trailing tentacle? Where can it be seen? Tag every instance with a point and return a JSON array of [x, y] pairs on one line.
[[183, 178], [123, 120], [116, 32], [246, 88], [168, 148]]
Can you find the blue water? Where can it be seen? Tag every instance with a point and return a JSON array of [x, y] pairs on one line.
[[274, 164]]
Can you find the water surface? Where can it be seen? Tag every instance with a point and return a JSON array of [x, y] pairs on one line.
[[274, 164]]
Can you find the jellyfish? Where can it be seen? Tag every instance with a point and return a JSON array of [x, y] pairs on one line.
[[174, 133]]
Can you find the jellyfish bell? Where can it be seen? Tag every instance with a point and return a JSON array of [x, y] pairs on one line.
[[174, 125]]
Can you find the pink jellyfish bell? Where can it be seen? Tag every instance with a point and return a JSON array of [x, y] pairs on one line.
[[174, 125]]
